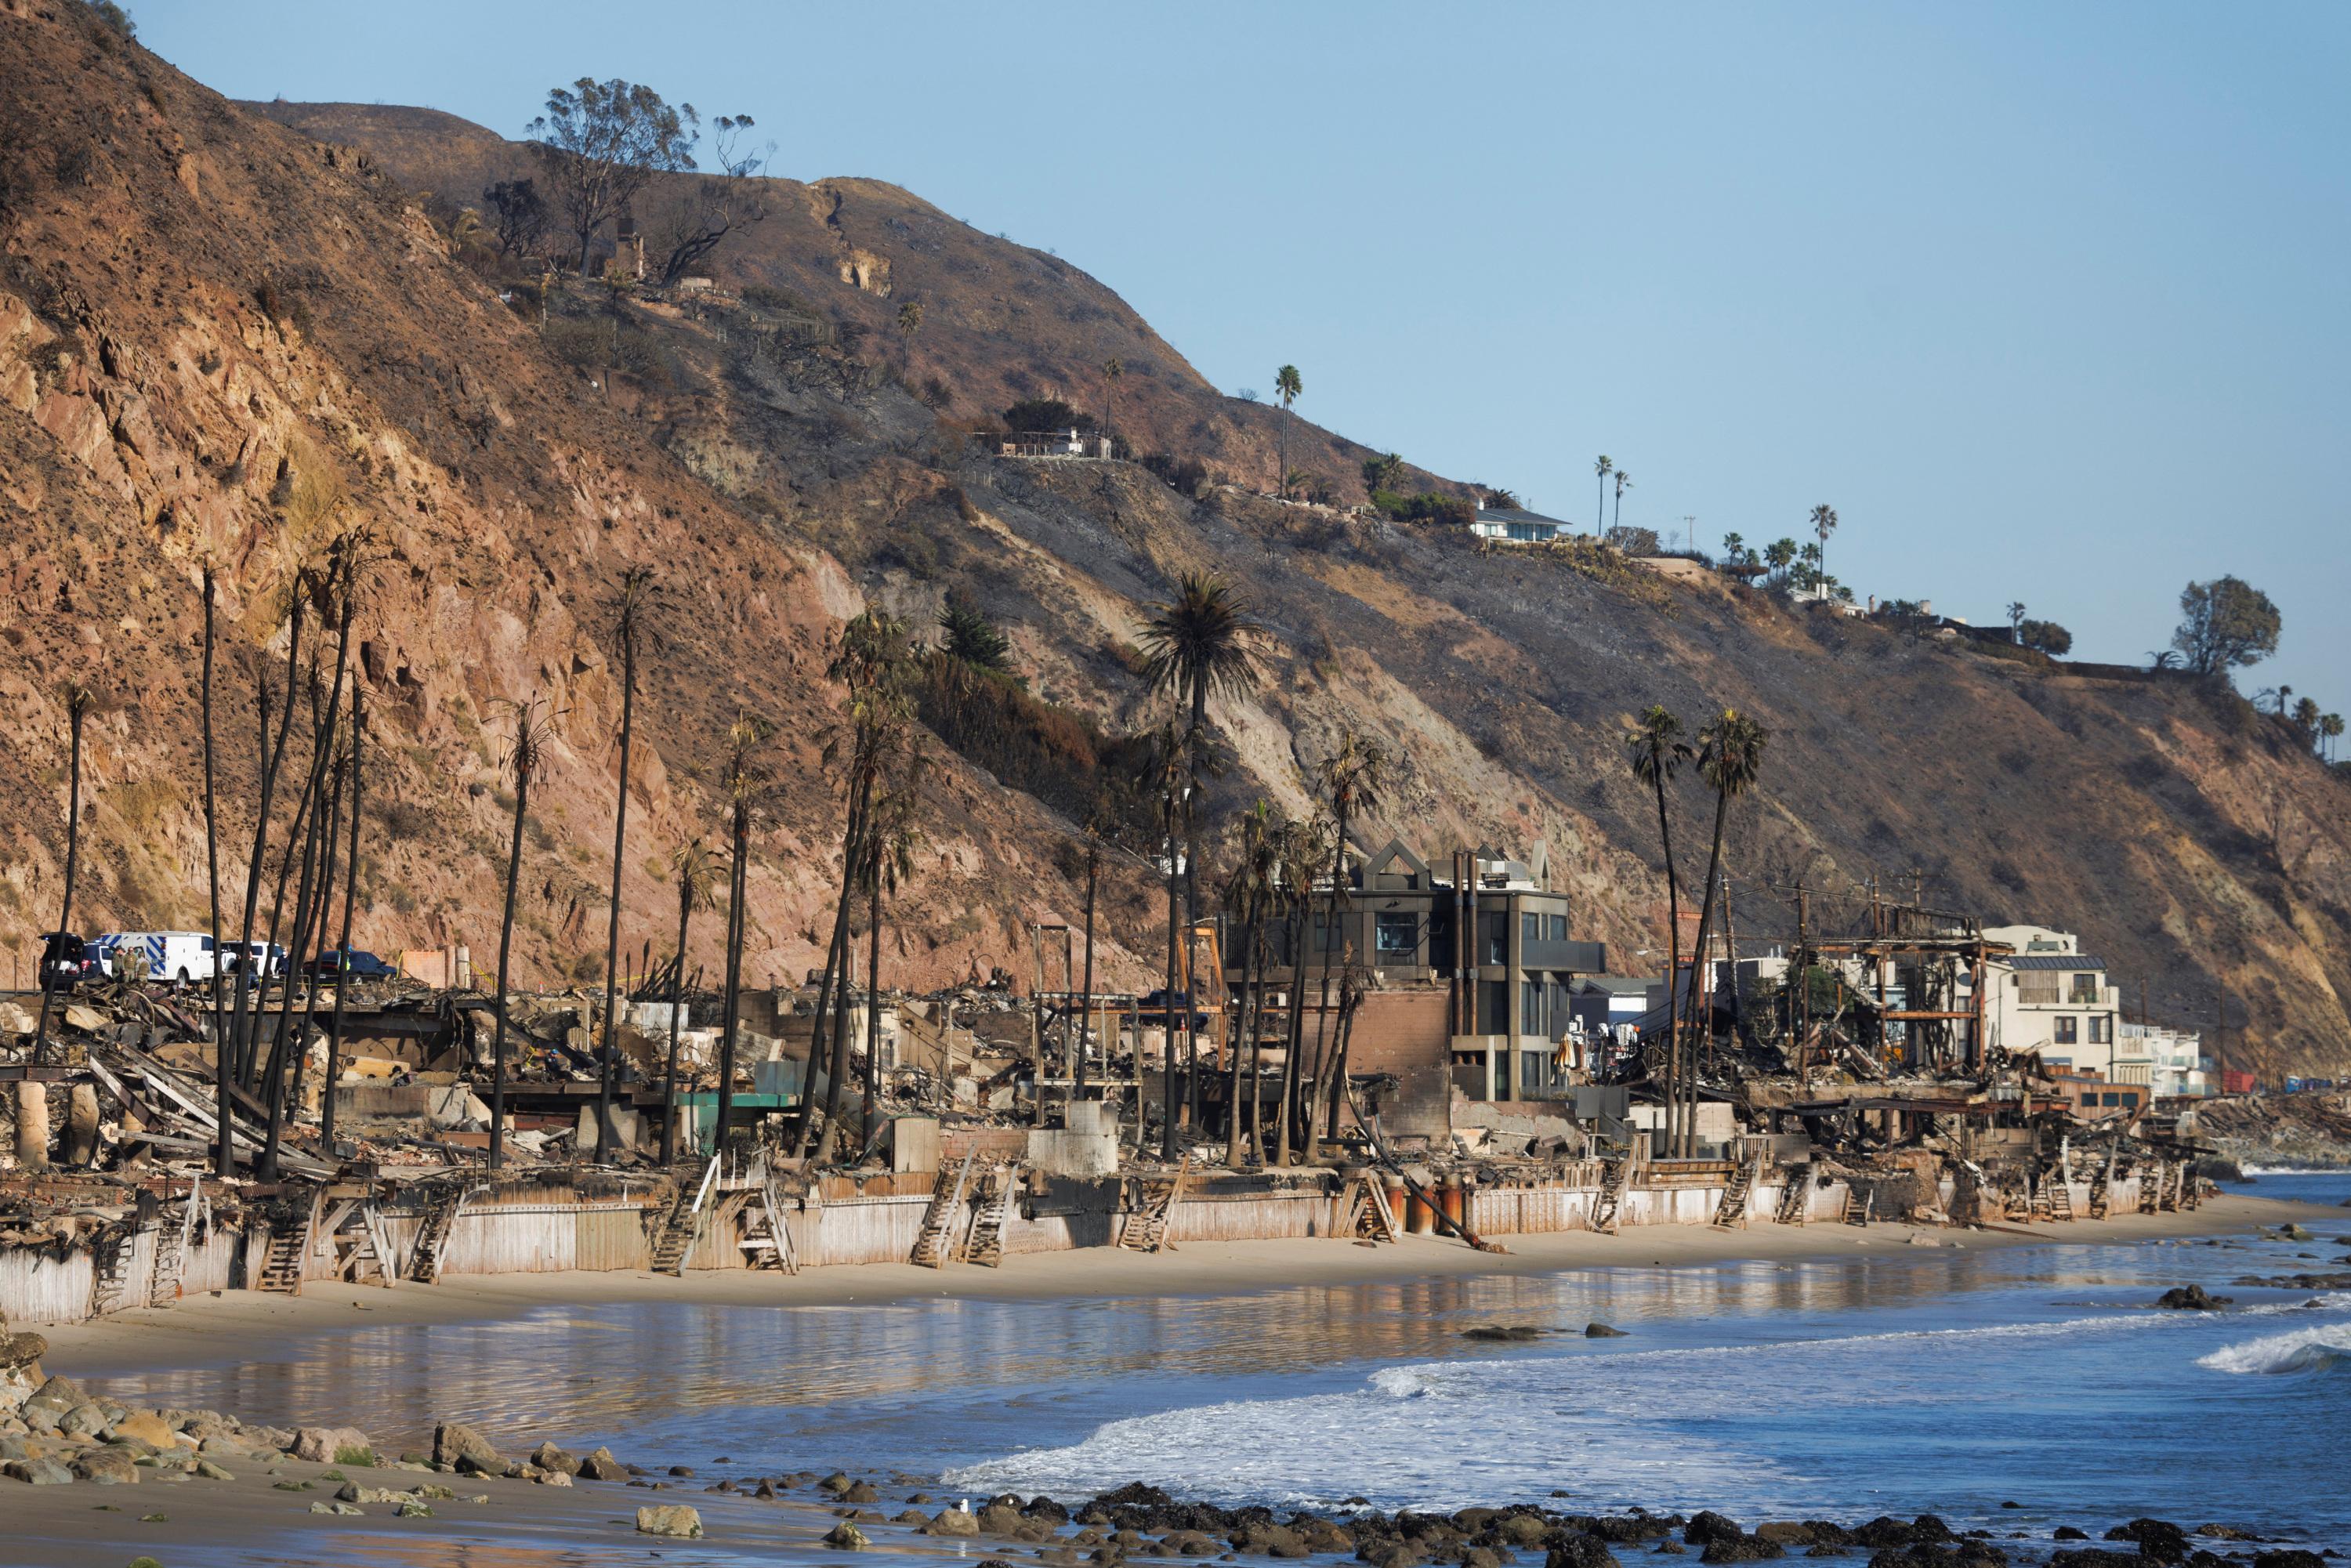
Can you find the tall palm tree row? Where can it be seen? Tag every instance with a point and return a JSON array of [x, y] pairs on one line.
[[746, 784], [1657, 753], [1730, 760], [890, 841], [1249, 894], [628, 617], [1299, 858]]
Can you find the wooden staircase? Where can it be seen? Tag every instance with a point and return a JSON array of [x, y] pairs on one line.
[[110, 1269], [1369, 1218], [680, 1226], [766, 1236], [1794, 1199], [2060, 1194], [354, 1233], [432, 1236], [1000, 1186], [936, 1247], [172, 1243], [1605, 1207], [1147, 1228], [1732, 1210], [290, 1250], [1856, 1204], [2101, 1189]]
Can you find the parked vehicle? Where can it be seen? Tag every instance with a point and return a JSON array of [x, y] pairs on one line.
[[252, 955], [67, 961], [1154, 1008], [178, 957], [360, 964]]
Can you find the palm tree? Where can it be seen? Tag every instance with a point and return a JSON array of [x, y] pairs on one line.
[[1624, 483], [1658, 752], [890, 844], [1288, 387], [910, 322], [78, 700], [1249, 894], [343, 946], [1198, 645], [2282, 693], [1112, 370], [1602, 468], [745, 782], [289, 594], [628, 614], [695, 873], [2016, 620], [1350, 783], [2305, 717], [223, 1155], [2330, 729], [534, 727], [873, 663], [1731, 759], [1734, 548], [1825, 522], [1299, 853]]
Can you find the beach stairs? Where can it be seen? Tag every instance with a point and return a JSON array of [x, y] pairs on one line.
[[290, 1250], [2170, 1182], [2102, 1191], [432, 1236], [1732, 1210], [1856, 1204], [171, 1245], [1369, 1218], [2191, 1193], [998, 1189], [1606, 1207], [110, 1270], [680, 1226], [767, 1239], [1793, 1199], [2058, 1194], [2150, 1183], [1147, 1228], [937, 1246]]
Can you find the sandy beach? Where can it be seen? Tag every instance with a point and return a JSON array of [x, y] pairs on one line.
[[228, 1324]]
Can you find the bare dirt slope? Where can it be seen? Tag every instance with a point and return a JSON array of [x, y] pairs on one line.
[[778, 477]]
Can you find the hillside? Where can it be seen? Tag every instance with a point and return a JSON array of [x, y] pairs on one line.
[[768, 459]]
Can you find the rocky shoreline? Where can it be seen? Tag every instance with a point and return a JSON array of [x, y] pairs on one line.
[[52, 1432]]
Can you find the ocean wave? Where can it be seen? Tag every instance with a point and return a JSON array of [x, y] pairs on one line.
[[2301, 1350]]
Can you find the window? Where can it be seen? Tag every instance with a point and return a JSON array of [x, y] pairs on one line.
[[2115, 1100], [1498, 937], [1531, 1007], [1327, 931], [1531, 927], [1396, 934], [1493, 1007], [2036, 990], [2067, 1028], [2102, 1029], [1558, 927], [2130, 1101], [2085, 991]]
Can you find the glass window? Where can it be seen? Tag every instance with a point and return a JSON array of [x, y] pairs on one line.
[[1531, 927], [1493, 1007], [1559, 928], [1531, 1007], [2086, 989], [1396, 934], [2101, 1030], [2115, 1100], [2068, 1029]]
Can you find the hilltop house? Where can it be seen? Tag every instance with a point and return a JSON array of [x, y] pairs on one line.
[[1514, 525]]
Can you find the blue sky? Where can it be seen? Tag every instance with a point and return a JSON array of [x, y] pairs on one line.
[[2051, 303]]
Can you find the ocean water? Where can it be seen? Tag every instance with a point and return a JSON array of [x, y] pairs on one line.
[[1897, 1380]]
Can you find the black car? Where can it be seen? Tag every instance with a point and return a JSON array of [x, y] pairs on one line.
[[338, 962], [1156, 1007], [67, 959]]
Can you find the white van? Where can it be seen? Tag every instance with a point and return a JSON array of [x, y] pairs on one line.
[[177, 958]]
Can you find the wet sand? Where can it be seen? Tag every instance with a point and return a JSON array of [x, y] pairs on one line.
[[231, 1324]]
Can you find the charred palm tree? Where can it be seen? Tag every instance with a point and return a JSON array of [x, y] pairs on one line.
[[1657, 752], [78, 700], [1248, 895], [1730, 760], [1170, 782], [695, 873], [534, 729], [874, 666], [890, 845], [291, 595], [343, 942], [1350, 781], [223, 1155], [628, 616], [1301, 853], [745, 783]]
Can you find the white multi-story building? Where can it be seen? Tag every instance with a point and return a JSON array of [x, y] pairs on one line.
[[2175, 1058], [2051, 996]]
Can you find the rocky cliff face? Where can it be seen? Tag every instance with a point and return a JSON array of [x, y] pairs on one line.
[[208, 322]]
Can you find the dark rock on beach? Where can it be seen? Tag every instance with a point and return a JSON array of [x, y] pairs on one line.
[[1501, 1332], [2163, 1541], [2191, 1299], [1602, 1331]]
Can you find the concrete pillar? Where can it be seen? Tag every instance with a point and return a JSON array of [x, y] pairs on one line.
[[32, 1126], [81, 1125]]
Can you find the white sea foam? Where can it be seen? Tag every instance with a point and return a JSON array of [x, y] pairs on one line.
[[2299, 1350]]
